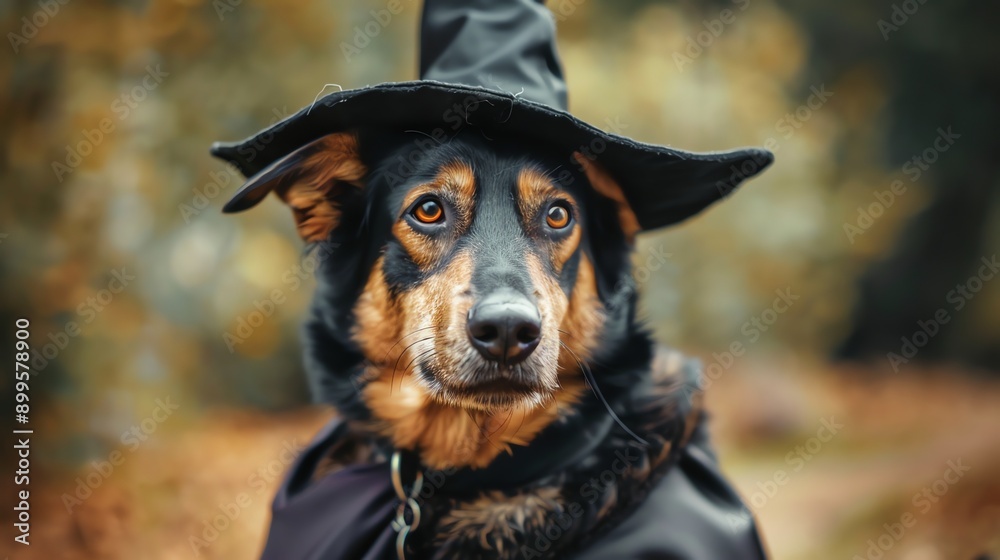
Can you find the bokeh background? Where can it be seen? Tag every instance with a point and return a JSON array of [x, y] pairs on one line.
[[113, 245]]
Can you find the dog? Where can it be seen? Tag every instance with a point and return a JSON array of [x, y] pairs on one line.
[[472, 295], [471, 284]]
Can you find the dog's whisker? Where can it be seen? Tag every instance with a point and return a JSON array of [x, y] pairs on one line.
[[404, 337], [510, 414], [524, 414], [406, 349], [589, 375], [392, 378], [482, 431], [415, 331], [411, 367], [569, 334], [406, 370]]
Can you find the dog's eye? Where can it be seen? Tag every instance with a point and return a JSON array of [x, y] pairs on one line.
[[558, 216], [428, 211]]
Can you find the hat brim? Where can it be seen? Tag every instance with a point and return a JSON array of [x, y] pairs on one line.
[[662, 185]]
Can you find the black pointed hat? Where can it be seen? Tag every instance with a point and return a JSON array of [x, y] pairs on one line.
[[492, 64]]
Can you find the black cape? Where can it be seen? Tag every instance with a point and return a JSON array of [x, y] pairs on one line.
[[692, 513]]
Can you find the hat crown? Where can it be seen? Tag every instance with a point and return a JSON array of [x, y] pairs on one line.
[[503, 45]]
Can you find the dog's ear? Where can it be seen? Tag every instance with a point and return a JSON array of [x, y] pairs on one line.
[[310, 180], [605, 184]]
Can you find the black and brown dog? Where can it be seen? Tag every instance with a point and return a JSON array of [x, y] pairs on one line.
[[475, 324], [464, 304], [473, 287]]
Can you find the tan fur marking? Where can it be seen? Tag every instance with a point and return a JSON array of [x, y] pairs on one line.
[[455, 184], [604, 184], [460, 178], [610, 500], [452, 436], [566, 247], [378, 316], [585, 316], [334, 165], [423, 250], [535, 191]]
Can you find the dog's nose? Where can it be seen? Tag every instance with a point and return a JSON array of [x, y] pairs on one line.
[[504, 327]]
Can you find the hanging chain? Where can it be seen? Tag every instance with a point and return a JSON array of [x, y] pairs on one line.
[[406, 501]]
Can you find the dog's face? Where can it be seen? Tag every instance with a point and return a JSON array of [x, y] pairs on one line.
[[476, 279], [481, 265]]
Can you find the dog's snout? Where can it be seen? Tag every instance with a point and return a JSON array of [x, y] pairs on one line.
[[504, 327]]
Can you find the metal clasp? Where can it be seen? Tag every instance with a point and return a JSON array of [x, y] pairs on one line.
[[406, 501]]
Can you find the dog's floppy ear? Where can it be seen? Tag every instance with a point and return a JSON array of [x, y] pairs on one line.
[[604, 184], [309, 180]]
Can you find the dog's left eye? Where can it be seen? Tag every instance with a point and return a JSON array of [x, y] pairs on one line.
[[558, 216], [428, 211]]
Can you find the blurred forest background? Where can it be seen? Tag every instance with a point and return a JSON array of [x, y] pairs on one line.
[[881, 215]]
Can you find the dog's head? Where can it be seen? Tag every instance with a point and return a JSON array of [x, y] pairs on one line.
[[469, 275]]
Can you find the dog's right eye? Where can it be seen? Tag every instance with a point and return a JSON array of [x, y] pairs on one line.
[[558, 216], [428, 211]]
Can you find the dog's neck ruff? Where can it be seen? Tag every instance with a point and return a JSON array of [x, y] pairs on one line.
[[578, 479]]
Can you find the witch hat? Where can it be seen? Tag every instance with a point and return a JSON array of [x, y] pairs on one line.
[[492, 65]]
